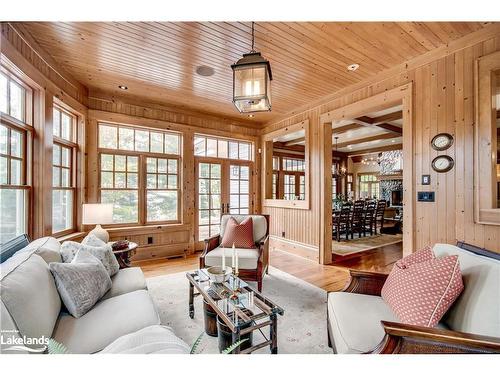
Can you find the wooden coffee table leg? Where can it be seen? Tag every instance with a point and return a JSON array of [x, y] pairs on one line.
[[273, 330], [191, 301]]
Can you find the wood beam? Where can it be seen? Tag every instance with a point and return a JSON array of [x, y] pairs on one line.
[[375, 149], [368, 139], [388, 117], [391, 128], [295, 142]]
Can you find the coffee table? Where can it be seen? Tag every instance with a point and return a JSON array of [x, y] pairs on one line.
[[241, 308]]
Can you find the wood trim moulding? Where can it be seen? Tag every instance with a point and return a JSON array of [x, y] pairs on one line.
[[137, 107], [399, 95], [295, 248], [489, 31], [267, 167], [485, 144], [124, 119]]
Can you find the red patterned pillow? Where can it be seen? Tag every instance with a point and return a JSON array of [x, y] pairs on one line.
[[419, 256], [421, 293], [241, 235]]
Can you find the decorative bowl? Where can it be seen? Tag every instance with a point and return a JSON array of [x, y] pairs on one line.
[[217, 274]]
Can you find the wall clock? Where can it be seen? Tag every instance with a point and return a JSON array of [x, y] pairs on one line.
[[442, 141], [442, 163]]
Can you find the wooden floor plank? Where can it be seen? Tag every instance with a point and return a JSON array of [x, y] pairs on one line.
[[328, 277]]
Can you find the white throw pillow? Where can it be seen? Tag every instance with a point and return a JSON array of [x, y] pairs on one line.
[[104, 253], [93, 240]]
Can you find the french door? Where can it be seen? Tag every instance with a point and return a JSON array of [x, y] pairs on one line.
[[222, 187]]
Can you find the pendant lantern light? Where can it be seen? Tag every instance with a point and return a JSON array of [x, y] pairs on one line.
[[338, 172], [252, 81]]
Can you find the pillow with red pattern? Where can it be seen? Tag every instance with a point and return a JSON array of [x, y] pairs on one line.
[[421, 288], [238, 234]]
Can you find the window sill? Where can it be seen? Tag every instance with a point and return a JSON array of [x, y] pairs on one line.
[[71, 236]]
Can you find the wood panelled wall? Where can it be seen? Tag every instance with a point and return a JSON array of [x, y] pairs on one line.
[[443, 97], [167, 240]]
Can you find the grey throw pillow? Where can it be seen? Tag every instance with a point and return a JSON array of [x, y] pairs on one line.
[[93, 240], [103, 253], [80, 283]]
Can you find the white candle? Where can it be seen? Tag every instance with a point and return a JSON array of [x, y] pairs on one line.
[[236, 267], [233, 259], [223, 260]]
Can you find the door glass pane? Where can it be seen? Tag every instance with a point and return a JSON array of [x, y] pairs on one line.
[[239, 188], [209, 199]]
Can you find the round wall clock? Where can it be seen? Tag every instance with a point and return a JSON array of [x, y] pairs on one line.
[[442, 141], [442, 163]]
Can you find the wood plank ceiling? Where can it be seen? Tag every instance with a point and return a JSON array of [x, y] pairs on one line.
[[158, 61]]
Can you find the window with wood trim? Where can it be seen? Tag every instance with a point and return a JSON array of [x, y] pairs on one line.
[[16, 134], [368, 186], [64, 155], [139, 173], [222, 148]]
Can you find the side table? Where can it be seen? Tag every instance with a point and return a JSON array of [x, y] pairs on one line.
[[123, 256]]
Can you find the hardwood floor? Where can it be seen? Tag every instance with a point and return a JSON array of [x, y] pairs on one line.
[[328, 277]]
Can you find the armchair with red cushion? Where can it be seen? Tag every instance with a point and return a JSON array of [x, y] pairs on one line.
[[253, 258]]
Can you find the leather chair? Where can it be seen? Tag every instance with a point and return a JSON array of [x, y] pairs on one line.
[[253, 263]]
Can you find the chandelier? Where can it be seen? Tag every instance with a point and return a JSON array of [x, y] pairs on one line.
[[338, 172], [252, 81]]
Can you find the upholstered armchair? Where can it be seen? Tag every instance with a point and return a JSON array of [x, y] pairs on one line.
[[359, 321], [253, 263]]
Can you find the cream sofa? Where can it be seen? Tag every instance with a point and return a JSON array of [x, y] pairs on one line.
[[359, 321], [31, 307]]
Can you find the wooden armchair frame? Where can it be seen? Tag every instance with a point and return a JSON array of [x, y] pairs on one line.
[[262, 263], [409, 339]]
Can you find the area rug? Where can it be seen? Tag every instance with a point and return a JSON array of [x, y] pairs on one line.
[[360, 244], [301, 330]]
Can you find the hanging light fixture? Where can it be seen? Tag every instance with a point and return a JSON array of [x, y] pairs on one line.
[[252, 81], [338, 172]]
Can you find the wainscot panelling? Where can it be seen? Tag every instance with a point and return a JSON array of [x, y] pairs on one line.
[[443, 101]]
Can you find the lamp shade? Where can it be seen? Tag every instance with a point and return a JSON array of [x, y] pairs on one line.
[[97, 213]]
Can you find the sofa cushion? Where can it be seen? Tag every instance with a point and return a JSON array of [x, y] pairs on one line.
[[355, 321], [106, 321], [80, 283], [477, 310], [150, 340], [125, 281], [238, 234], [8, 333], [29, 294], [247, 258], [103, 253], [259, 225], [49, 248]]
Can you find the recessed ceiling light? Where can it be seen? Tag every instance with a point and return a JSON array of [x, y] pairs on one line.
[[393, 141], [349, 146], [205, 71], [251, 116], [122, 87], [353, 67]]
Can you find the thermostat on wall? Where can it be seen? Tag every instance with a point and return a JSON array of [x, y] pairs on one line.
[[425, 196]]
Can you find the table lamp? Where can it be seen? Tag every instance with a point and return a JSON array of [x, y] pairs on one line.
[[98, 213]]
